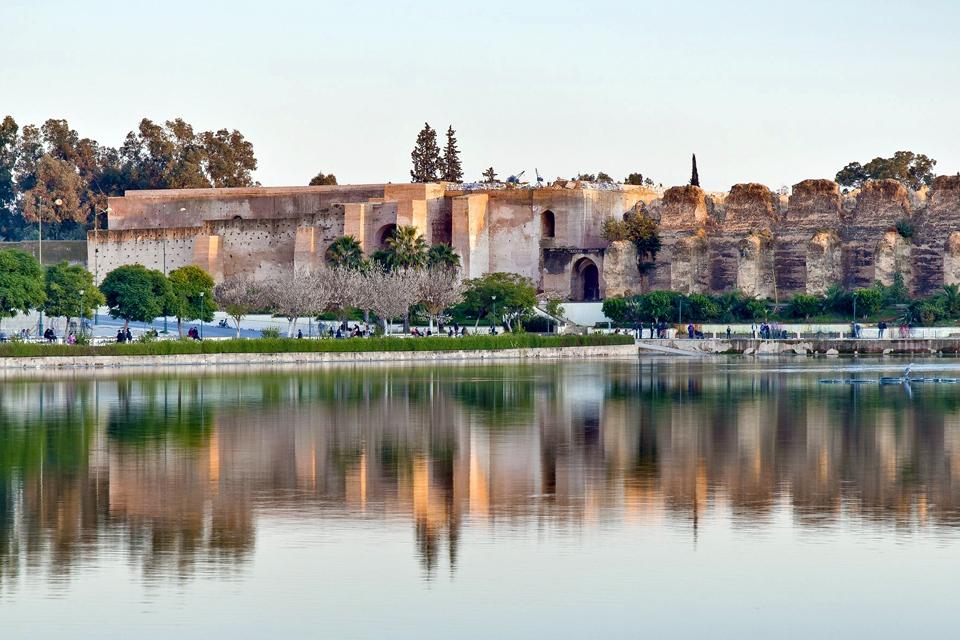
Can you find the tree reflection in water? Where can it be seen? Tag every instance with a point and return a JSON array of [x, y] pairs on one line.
[[177, 470]]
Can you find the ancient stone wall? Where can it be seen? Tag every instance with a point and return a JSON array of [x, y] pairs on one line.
[[750, 239]]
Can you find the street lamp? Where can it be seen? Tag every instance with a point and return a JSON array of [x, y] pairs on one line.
[[494, 298], [201, 314], [82, 310], [56, 203]]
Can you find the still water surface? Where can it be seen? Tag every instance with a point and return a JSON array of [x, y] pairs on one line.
[[580, 500]]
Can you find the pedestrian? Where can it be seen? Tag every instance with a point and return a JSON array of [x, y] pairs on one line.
[[729, 333], [690, 331], [881, 328], [128, 335], [299, 334], [120, 337]]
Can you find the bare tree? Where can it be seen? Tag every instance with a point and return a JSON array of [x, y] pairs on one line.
[[440, 288], [303, 294], [238, 296], [394, 292]]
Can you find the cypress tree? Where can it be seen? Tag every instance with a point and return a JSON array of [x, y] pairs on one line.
[[694, 176], [425, 156], [490, 175], [452, 170]]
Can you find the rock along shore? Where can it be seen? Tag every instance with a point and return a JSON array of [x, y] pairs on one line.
[[260, 359]]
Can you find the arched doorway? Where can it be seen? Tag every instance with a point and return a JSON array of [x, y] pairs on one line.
[[384, 234], [585, 281], [548, 224]]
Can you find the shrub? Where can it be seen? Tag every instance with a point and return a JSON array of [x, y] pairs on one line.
[[803, 305], [292, 345], [269, 333], [905, 228]]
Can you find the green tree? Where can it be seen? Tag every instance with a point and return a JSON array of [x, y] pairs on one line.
[[604, 177], [192, 295], [911, 169], [406, 248], [21, 283], [509, 297], [694, 174], [9, 131], [635, 179], [803, 305], [490, 176], [345, 251], [64, 284], [443, 255], [228, 158], [322, 179], [136, 293], [868, 301], [451, 169], [425, 156]]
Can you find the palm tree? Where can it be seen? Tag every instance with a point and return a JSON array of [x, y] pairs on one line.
[[951, 299], [443, 255], [407, 248], [345, 252]]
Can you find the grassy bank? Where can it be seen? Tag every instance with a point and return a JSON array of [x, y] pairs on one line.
[[288, 345]]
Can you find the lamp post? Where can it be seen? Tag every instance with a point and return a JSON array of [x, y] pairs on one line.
[[56, 203], [82, 310], [96, 250], [494, 298], [201, 314]]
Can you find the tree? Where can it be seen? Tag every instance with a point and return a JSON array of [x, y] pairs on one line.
[[635, 179], [192, 290], [803, 305], [21, 283], [694, 176], [450, 165], [394, 293], [136, 293], [322, 179], [8, 160], [64, 283], [604, 177], [911, 169], [406, 248], [442, 255], [345, 251], [301, 295], [228, 158], [586, 177], [868, 301], [440, 288], [490, 176], [238, 296], [425, 156], [951, 300], [508, 297]]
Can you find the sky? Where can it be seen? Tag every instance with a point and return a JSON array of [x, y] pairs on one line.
[[766, 91]]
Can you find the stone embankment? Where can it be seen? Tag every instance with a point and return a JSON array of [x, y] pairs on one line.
[[747, 346], [267, 359]]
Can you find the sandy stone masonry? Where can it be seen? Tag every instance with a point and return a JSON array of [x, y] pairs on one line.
[[749, 239]]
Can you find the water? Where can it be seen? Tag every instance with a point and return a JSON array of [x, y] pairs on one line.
[[581, 500]]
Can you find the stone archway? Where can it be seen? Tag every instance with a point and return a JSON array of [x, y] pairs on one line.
[[585, 281], [383, 234]]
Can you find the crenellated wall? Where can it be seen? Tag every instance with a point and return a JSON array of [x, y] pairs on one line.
[[749, 239]]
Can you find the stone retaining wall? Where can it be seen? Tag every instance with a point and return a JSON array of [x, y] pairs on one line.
[[259, 359]]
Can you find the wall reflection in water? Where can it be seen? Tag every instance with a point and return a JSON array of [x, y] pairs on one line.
[[175, 471]]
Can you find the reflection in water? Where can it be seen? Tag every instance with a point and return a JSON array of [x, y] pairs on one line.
[[177, 470]]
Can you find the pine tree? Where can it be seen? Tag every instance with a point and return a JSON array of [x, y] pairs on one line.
[[694, 176], [425, 156], [452, 170], [490, 175]]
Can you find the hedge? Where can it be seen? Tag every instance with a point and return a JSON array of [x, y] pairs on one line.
[[292, 345]]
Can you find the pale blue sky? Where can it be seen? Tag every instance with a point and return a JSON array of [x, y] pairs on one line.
[[764, 91]]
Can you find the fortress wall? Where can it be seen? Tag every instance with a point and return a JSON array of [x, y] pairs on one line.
[[936, 240], [261, 249], [162, 208], [806, 242], [141, 246], [879, 205]]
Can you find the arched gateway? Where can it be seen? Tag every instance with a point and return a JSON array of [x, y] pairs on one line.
[[585, 281]]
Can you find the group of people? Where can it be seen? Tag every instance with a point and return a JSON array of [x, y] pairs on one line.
[[124, 335], [344, 330], [657, 329]]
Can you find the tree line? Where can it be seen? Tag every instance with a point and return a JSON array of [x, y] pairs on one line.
[[889, 302], [51, 171], [405, 279]]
